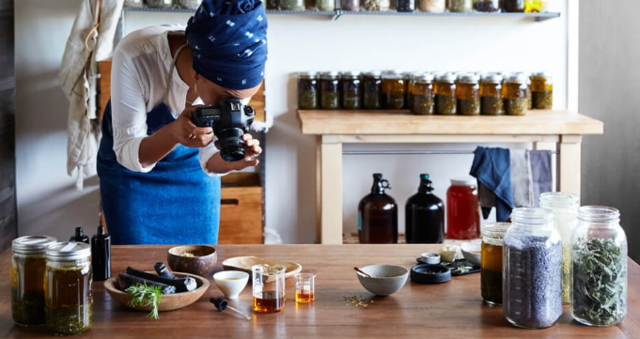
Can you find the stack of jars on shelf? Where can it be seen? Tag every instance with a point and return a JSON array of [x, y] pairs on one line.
[[427, 93], [427, 6]]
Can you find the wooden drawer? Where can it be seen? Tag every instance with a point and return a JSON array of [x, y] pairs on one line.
[[241, 209]]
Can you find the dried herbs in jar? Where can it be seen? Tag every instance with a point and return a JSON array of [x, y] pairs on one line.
[[376, 5], [491, 95], [291, 5], [513, 6], [433, 6], [491, 262], [542, 90], [326, 5], [372, 90], [308, 90], [351, 90], [444, 89], [393, 90], [350, 5], [422, 95], [486, 5], [461, 6], [468, 94], [406, 6], [330, 90], [515, 92]]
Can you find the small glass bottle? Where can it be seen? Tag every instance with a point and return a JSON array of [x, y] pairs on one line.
[[27, 279], [468, 94], [378, 215], [491, 95], [422, 95], [268, 288], [406, 6], [372, 90], [515, 92], [432, 6], [444, 88], [532, 270], [564, 208], [393, 90], [599, 267], [491, 262], [513, 6], [68, 279], [351, 90], [308, 90], [487, 5], [424, 215], [330, 90], [460, 6], [326, 5], [542, 90], [350, 5], [463, 209]]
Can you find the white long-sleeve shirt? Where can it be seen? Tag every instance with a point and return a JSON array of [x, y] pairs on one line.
[[139, 76]]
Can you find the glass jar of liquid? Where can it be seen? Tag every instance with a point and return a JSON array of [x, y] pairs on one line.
[[515, 93], [422, 95], [351, 90], [468, 94], [463, 209], [268, 288], [372, 90], [308, 90], [424, 213], [542, 90], [491, 262], [330, 90], [444, 89], [491, 95], [378, 215], [393, 90]]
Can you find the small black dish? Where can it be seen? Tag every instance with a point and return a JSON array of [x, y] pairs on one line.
[[438, 274]]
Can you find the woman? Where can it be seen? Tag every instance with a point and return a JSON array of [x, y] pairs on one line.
[[159, 173]]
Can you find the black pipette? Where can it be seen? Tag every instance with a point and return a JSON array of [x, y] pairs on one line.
[[222, 304]]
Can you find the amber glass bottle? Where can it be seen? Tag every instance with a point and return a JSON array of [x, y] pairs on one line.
[[378, 215], [424, 215]]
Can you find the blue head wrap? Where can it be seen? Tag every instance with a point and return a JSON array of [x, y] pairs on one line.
[[229, 42]]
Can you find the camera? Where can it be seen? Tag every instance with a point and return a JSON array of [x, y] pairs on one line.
[[229, 121]]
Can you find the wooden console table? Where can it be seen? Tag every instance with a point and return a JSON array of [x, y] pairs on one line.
[[547, 130]]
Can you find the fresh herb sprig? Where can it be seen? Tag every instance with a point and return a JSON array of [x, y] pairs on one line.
[[145, 296]]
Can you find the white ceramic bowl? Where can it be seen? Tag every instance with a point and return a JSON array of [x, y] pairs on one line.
[[231, 283], [387, 279], [468, 250]]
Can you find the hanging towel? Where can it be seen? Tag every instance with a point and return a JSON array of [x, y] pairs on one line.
[[541, 174], [487, 200], [492, 168], [521, 181]]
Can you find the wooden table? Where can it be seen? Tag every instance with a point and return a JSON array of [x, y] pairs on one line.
[[451, 310], [548, 130]]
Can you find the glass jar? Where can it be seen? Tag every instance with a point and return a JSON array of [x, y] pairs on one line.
[[599, 267], [422, 94], [444, 89], [406, 6], [326, 5], [542, 90], [532, 276], [536, 6], [272, 5], [330, 90], [468, 94], [291, 5], [486, 5], [513, 6], [564, 208], [393, 90], [350, 5], [491, 262], [68, 279], [133, 3], [27, 279], [351, 90], [460, 6], [514, 93], [268, 288], [376, 5], [160, 3], [433, 6], [463, 209], [308, 90], [189, 4], [372, 90], [491, 95]]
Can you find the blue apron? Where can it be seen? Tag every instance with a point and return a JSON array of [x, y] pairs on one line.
[[175, 203]]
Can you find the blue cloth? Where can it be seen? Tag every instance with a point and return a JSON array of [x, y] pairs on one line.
[[175, 203], [492, 168], [229, 42]]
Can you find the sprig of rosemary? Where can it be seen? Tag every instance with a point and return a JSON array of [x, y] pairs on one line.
[[145, 296]]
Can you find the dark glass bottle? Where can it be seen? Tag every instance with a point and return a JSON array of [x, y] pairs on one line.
[[424, 215], [378, 215], [79, 236], [101, 255]]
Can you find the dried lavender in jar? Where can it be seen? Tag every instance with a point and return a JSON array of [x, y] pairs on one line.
[[406, 6], [350, 5]]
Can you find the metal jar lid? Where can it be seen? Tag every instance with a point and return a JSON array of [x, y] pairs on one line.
[[330, 74], [32, 244], [468, 78], [308, 74], [495, 78], [446, 77], [62, 251], [373, 73], [519, 78], [424, 77], [351, 74]]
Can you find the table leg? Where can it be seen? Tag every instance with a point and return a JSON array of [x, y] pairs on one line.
[[569, 163], [328, 190]]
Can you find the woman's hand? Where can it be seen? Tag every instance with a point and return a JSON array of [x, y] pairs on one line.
[[184, 132], [252, 150]]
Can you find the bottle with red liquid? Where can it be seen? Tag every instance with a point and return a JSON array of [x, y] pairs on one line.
[[463, 209], [378, 215]]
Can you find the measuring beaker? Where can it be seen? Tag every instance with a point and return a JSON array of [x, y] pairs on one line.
[[268, 288], [305, 287]]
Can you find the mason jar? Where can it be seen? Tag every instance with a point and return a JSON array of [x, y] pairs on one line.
[[491, 262], [532, 276], [487, 5], [599, 267], [422, 94], [351, 90], [515, 93], [308, 90], [542, 90], [444, 88], [460, 6], [491, 95], [291, 5], [330, 90], [393, 90], [27, 279], [326, 5], [160, 3], [372, 90], [468, 94]]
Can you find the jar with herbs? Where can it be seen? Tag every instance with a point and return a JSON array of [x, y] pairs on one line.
[[330, 90], [272, 4], [468, 94], [599, 267], [486, 5], [513, 6], [406, 6], [422, 95], [68, 279], [444, 89], [133, 3], [326, 5], [393, 90], [564, 208], [308, 90], [491, 262], [432, 6], [351, 90], [514, 93], [160, 3], [491, 95], [460, 6], [376, 5], [536, 6], [350, 5], [27, 279], [532, 277], [372, 90], [189, 4], [542, 90], [291, 5]]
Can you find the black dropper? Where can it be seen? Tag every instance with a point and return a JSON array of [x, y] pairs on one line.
[[79, 236]]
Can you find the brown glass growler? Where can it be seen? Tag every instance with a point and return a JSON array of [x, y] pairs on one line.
[[378, 215], [424, 215]]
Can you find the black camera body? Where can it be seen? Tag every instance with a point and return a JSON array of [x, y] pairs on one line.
[[229, 121]]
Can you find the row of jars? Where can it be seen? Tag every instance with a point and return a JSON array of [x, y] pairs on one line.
[[51, 284], [559, 253], [428, 6], [163, 4], [427, 93]]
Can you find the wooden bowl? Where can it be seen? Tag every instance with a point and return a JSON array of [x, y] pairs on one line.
[[244, 264], [202, 263], [169, 302]]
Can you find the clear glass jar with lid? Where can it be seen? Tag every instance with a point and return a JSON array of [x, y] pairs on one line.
[[564, 208], [532, 278], [444, 88], [393, 90], [291, 5], [599, 267], [351, 90], [491, 262], [372, 90], [422, 94], [491, 94], [160, 3], [542, 90], [330, 90], [326, 5], [460, 6], [308, 90], [68, 280], [487, 5], [468, 94], [515, 91], [27, 279]]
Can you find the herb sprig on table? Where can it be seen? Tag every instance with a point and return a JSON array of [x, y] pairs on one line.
[[145, 296]]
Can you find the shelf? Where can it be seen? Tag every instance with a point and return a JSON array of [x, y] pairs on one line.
[[341, 122]]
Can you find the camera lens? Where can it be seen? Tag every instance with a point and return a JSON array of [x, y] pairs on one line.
[[232, 147], [249, 111]]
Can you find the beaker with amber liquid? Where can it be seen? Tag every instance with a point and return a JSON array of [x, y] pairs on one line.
[[268, 288]]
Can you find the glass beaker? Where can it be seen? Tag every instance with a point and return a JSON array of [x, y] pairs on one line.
[[268, 288], [305, 287]]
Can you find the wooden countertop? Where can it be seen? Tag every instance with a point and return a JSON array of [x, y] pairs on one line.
[[552, 122], [451, 310]]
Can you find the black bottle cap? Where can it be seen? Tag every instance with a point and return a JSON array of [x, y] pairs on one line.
[[377, 176], [79, 232], [101, 230]]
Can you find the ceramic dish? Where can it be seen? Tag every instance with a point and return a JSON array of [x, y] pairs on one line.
[[201, 263], [430, 274], [231, 283], [386, 279], [244, 264]]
